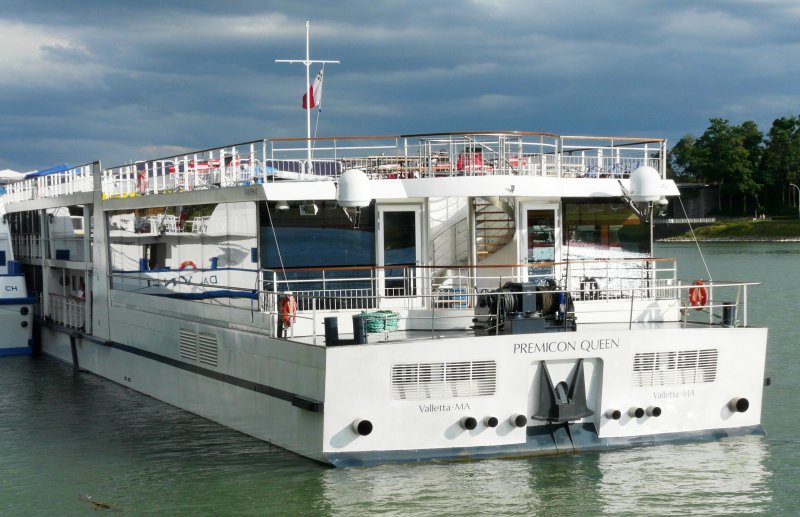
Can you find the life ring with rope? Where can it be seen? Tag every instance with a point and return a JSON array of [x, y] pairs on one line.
[[188, 263], [288, 313], [698, 295]]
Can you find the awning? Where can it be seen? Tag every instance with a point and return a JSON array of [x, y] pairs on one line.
[[51, 170]]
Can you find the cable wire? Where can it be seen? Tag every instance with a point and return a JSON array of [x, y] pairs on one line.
[[694, 237]]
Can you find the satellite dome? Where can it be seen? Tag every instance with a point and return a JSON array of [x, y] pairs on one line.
[[353, 189], [645, 184]]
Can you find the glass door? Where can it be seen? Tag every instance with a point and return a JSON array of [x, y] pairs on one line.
[[399, 251], [541, 242]]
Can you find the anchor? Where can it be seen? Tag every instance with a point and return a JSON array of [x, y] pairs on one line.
[[564, 402]]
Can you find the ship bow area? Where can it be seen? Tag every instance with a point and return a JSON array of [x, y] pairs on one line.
[[521, 395]]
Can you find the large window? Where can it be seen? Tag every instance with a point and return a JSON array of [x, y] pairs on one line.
[[192, 251], [316, 235], [603, 229]]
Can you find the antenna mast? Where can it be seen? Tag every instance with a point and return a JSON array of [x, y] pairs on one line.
[[307, 61]]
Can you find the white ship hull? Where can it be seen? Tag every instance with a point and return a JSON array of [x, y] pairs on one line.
[[306, 398], [510, 309]]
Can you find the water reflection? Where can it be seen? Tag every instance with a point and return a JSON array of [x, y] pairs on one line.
[[495, 487], [716, 478]]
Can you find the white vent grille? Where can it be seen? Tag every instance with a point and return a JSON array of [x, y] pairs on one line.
[[416, 381], [207, 348], [187, 344], [678, 367]]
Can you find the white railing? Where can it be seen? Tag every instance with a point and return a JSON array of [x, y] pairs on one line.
[[369, 287], [610, 157], [428, 287], [70, 181], [239, 164], [438, 299], [28, 245], [729, 309], [619, 277], [67, 310], [459, 154], [386, 157]]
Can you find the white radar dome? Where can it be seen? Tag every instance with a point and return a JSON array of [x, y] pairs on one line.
[[353, 189], [646, 184]]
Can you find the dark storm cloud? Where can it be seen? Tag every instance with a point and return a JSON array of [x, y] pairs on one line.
[[116, 81]]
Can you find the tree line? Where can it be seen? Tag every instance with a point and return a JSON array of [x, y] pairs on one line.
[[746, 164]]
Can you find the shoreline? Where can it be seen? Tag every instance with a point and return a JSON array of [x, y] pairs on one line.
[[729, 239], [734, 230]]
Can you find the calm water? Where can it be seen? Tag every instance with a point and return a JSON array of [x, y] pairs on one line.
[[68, 440]]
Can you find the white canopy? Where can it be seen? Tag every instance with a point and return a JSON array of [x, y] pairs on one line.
[[9, 176]]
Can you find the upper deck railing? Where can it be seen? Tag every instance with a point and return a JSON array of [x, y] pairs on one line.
[[381, 157], [62, 183]]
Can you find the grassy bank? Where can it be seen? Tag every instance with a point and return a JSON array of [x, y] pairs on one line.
[[746, 229]]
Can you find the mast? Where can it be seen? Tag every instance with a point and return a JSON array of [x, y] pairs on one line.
[[307, 61]]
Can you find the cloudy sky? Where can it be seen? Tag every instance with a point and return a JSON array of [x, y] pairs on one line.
[[116, 80]]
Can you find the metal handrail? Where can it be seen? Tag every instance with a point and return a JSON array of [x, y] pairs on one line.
[[505, 152]]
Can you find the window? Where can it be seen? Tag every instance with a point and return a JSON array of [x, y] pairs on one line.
[[327, 238], [603, 229]]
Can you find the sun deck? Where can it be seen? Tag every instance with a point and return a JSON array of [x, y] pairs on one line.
[[381, 157]]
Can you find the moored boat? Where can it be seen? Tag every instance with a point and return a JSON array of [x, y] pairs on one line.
[[362, 300], [16, 304], [383, 303]]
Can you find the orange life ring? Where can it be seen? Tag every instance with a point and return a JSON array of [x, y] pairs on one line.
[[188, 263], [698, 295], [288, 310]]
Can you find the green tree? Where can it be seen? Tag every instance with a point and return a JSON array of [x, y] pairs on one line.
[[727, 155], [680, 159], [753, 143], [780, 162]]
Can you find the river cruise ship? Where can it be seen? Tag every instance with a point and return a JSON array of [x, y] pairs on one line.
[[394, 298]]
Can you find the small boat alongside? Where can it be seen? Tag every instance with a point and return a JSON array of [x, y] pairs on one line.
[[16, 304]]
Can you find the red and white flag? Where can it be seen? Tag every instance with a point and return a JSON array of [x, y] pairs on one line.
[[314, 92]]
